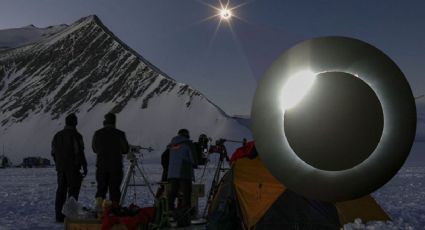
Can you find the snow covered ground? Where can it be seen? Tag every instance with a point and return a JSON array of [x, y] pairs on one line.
[[27, 195], [27, 198]]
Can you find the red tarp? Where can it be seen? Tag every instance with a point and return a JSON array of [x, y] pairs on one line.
[[248, 150], [144, 216]]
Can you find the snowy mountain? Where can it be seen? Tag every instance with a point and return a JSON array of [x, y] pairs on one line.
[[244, 120], [85, 68], [13, 38]]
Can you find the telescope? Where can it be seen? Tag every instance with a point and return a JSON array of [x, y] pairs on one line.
[[220, 148], [333, 118], [136, 149]]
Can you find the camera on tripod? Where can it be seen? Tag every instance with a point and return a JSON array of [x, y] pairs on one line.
[[221, 149], [132, 169], [201, 150], [136, 150]]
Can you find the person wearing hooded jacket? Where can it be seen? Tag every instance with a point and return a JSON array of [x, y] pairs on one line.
[[180, 170], [110, 144], [68, 154]]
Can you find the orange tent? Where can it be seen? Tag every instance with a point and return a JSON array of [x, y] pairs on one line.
[[257, 190]]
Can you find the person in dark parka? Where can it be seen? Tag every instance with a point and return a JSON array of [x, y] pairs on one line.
[[180, 171], [68, 154], [109, 143]]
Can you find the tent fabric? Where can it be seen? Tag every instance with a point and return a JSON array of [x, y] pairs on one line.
[[364, 208], [263, 202], [261, 198], [222, 213], [256, 189], [224, 191], [292, 211]]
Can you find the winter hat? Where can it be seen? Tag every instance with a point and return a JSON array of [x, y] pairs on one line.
[[110, 119], [183, 132], [203, 138], [71, 120]]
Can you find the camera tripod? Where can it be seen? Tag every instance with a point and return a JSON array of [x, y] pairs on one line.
[[221, 149], [131, 172]]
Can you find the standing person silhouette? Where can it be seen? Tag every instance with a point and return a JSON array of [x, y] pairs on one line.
[[68, 154], [109, 143]]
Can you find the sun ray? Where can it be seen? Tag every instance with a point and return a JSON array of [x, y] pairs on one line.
[[204, 20], [235, 38], [225, 12], [240, 5], [221, 4], [215, 33], [227, 4], [208, 5]]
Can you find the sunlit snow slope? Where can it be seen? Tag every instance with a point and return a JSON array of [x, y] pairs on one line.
[[84, 68]]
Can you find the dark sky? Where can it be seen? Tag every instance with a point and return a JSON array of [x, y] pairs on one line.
[[226, 66]]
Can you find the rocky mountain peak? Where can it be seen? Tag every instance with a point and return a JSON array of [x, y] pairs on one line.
[[83, 64], [86, 69]]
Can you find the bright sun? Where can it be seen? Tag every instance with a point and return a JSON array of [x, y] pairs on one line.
[[225, 13]]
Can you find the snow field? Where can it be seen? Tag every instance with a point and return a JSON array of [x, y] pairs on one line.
[[27, 197]]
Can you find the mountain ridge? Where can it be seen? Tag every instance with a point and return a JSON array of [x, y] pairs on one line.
[[94, 19], [86, 69]]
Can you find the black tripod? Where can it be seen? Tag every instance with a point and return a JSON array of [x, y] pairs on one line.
[[131, 172], [221, 149]]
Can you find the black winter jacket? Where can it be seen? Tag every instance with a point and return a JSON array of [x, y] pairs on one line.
[[109, 144], [68, 150]]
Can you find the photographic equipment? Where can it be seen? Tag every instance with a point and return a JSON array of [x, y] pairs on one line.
[[219, 148], [201, 150], [131, 171], [136, 149]]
